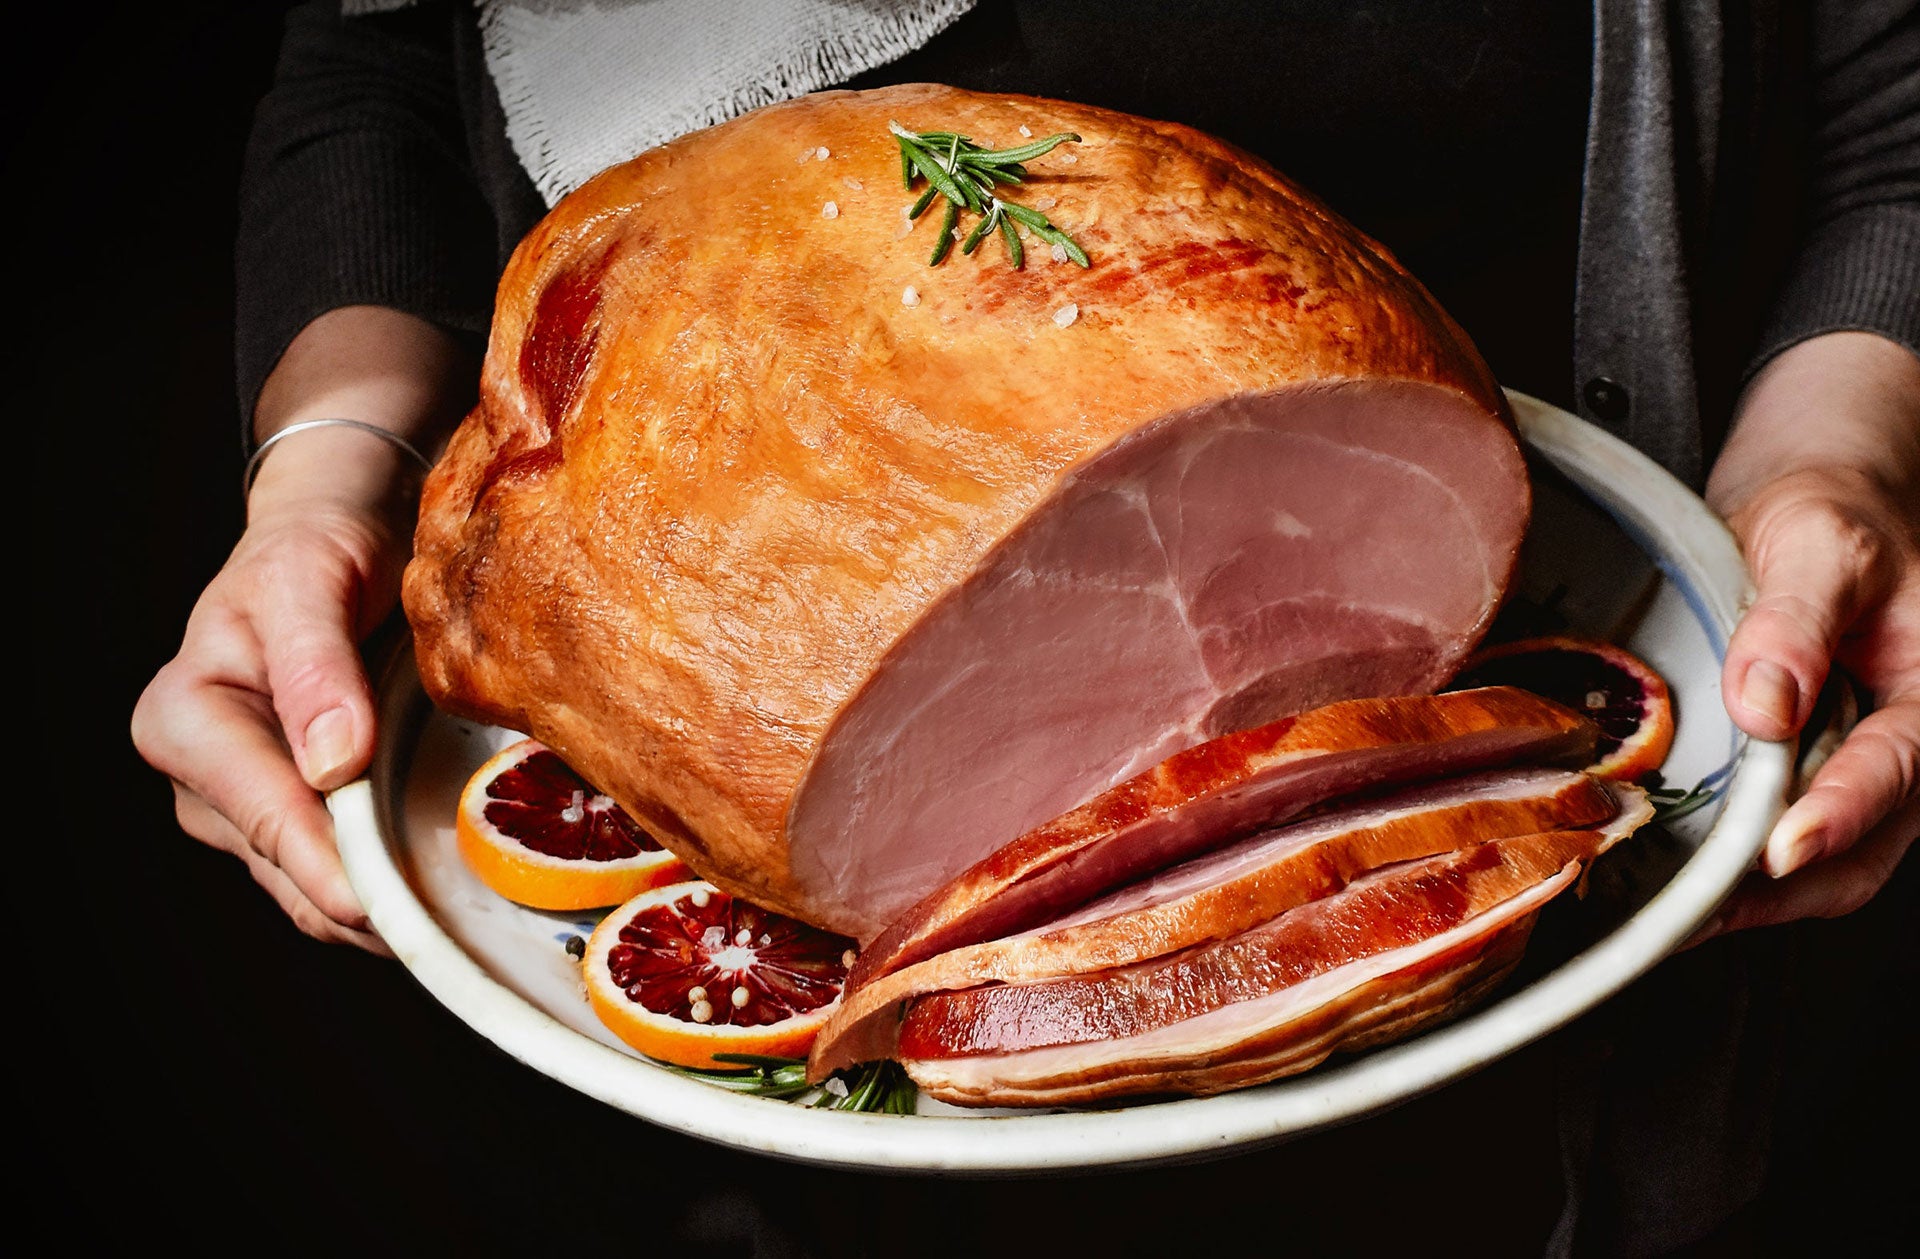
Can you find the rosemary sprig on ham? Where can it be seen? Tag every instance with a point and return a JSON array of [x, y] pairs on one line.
[[967, 176]]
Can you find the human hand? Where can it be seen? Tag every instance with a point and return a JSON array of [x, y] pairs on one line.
[[1820, 482], [267, 705]]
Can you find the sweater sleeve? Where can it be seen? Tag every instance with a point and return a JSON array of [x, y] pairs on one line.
[[1858, 265], [357, 187]]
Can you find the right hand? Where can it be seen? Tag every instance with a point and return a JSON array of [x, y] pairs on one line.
[[267, 705]]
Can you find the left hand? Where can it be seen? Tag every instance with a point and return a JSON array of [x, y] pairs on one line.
[[1820, 482]]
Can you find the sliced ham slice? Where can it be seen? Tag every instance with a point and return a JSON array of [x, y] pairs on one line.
[[1204, 797], [1396, 949], [1227, 892], [1223, 1054]]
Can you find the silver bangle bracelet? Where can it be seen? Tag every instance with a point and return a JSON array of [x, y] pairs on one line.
[[386, 435]]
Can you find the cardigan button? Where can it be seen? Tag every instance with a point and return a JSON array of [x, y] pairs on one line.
[[1607, 399]]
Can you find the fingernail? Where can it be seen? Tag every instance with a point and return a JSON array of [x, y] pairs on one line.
[[1771, 691], [328, 746], [1800, 838]]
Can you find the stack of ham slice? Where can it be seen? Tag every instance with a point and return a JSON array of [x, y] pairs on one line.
[[1244, 909]]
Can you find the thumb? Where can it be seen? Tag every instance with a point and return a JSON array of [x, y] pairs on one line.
[[316, 677], [1815, 567]]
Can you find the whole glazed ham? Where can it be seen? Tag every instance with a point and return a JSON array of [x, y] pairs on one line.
[[840, 571]]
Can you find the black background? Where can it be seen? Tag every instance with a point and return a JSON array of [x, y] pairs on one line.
[[196, 1070]]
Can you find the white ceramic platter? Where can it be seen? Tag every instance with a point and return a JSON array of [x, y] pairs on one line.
[[1652, 566]]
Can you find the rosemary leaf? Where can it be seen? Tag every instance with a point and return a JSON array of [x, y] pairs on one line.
[[1054, 236], [1021, 214], [1672, 804], [1016, 253], [1000, 174], [776, 1077], [860, 1096], [945, 243], [1026, 152], [767, 1061], [979, 232], [936, 174]]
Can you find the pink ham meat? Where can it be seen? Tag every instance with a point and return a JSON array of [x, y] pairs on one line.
[[1226, 892], [1224, 567], [837, 593], [1207, 795], [1391, 951]]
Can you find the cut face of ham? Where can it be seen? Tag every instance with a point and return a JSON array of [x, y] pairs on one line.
[[1201, 798], [1230, 891], [1217, 570], [1355, 966]]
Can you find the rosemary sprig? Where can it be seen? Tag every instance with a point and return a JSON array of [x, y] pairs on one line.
[[1671, 803], [967, 176], [873, 1087]]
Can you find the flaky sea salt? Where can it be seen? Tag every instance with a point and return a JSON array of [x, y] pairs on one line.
[[806, 155], [853, 183], [1069, 158], [836, 1086], [1043, 204], [822, 153], [1065, 316], [1026, 131], [1059, 253], [909, 296], [831, 210]]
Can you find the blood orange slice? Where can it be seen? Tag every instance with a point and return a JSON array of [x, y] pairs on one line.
[[539, 834], [1613, 687], [685, 972]]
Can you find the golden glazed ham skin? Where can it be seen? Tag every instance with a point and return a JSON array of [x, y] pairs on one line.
[[839, 587]]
